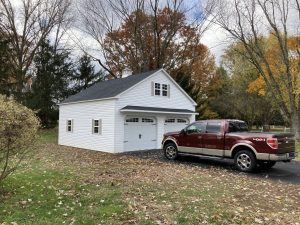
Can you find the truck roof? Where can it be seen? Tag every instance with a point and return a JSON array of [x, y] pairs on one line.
[[220, 120]]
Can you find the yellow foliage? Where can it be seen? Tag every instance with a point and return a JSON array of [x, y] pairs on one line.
[[258, 86]]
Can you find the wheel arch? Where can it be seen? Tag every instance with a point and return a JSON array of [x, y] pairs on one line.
[[169, 140], [242, 146]]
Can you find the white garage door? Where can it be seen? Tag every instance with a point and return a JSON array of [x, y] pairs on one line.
[[139, 133], [175, 124]]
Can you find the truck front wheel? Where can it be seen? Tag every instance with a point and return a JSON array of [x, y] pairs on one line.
[[245, 161], [170, 151]]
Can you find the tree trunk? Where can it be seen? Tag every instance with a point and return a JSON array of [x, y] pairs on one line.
[[295, 124]]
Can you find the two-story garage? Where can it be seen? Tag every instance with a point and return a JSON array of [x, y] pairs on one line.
[[125, 114]]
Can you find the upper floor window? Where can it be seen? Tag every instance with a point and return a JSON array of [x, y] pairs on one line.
[[69, 126], [96, 126], [159, 89]]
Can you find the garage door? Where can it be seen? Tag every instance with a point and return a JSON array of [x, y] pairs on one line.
[[139, 133], [175, 124]]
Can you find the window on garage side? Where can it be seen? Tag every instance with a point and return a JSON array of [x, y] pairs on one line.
[[69, 127], [97, 126]]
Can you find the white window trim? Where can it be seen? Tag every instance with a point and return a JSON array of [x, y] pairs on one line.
[[99, 126], [67, 125], [161, 90]]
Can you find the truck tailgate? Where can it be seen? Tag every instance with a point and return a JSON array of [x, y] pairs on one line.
[[286, 142]]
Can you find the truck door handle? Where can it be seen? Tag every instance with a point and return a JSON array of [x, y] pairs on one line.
[[199, 137], [140, 136], [219, 137]]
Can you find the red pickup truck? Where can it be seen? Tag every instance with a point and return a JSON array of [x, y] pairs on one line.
[[230, 139]]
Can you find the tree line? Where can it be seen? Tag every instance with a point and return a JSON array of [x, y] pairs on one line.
[[257, 79]]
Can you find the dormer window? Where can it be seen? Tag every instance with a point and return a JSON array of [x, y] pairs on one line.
[[159, 89]]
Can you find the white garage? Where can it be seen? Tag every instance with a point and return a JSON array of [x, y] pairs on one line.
[[175, 124], [125, 114], [140, 133]]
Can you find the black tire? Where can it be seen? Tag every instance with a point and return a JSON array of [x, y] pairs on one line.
[[266, 165], [245, 161], [170, 151]]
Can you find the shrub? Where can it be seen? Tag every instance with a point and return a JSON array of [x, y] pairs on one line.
[[18, 131]]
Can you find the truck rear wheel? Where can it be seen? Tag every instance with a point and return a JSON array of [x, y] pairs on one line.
[[245, 161]]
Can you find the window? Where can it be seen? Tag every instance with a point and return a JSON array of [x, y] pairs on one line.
[[170, 121], [69, 127], [147, 120], [164, 90], [132, 120], [157, 89], [213, 127], [196, 128], [96, 126], [181, 121], [237, 126], [160, 89]]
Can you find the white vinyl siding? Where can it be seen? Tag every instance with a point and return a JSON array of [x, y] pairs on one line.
[[82, 114], [138, 96]]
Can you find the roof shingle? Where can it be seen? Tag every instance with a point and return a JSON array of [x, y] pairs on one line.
[[109, 88]]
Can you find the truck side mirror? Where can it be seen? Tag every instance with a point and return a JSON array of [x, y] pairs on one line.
[[183, 131]]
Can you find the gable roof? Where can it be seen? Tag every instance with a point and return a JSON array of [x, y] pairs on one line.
[[109, 88]]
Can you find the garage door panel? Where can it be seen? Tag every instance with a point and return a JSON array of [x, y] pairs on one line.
[[139, 133], [175, 124]]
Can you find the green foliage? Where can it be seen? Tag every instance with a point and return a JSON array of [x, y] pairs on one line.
[[51, 83], [18, 130], [86, 75], [188, 85], [48, 136], [5, 86]]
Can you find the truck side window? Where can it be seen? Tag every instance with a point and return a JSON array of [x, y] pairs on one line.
[[213, 127], [196, 128]]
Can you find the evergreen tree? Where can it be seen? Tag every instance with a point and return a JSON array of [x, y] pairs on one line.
[[51, 83], [86, 75], [5, 73]]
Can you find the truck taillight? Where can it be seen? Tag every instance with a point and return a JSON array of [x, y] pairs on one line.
[[273, 143]]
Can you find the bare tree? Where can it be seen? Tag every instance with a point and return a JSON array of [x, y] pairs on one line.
[[101, 17], [249, 22], [26, 25]]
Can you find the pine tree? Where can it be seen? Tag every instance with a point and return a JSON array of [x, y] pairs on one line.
[[51, 83], [86, 75]]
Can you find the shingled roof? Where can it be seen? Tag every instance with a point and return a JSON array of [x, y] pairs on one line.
[[109, 88]]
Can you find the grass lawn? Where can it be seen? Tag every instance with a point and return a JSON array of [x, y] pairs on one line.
[[64, 185]]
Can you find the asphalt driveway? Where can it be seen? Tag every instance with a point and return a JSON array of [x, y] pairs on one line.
[[284, 172]]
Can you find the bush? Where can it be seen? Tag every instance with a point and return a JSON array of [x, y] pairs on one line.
[[18, 131]]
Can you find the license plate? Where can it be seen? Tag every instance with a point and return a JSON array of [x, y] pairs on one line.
[[292, 155]]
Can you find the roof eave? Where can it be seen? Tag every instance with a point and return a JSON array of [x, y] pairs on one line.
[[92, 100], [162, 112]]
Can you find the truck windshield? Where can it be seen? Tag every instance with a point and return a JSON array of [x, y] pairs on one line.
[[237, 126]]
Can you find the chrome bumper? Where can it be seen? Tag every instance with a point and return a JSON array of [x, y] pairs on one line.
[[277, 157]]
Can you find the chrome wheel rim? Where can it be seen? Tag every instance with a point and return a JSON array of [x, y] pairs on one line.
[[171, 152], [244, 161]]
